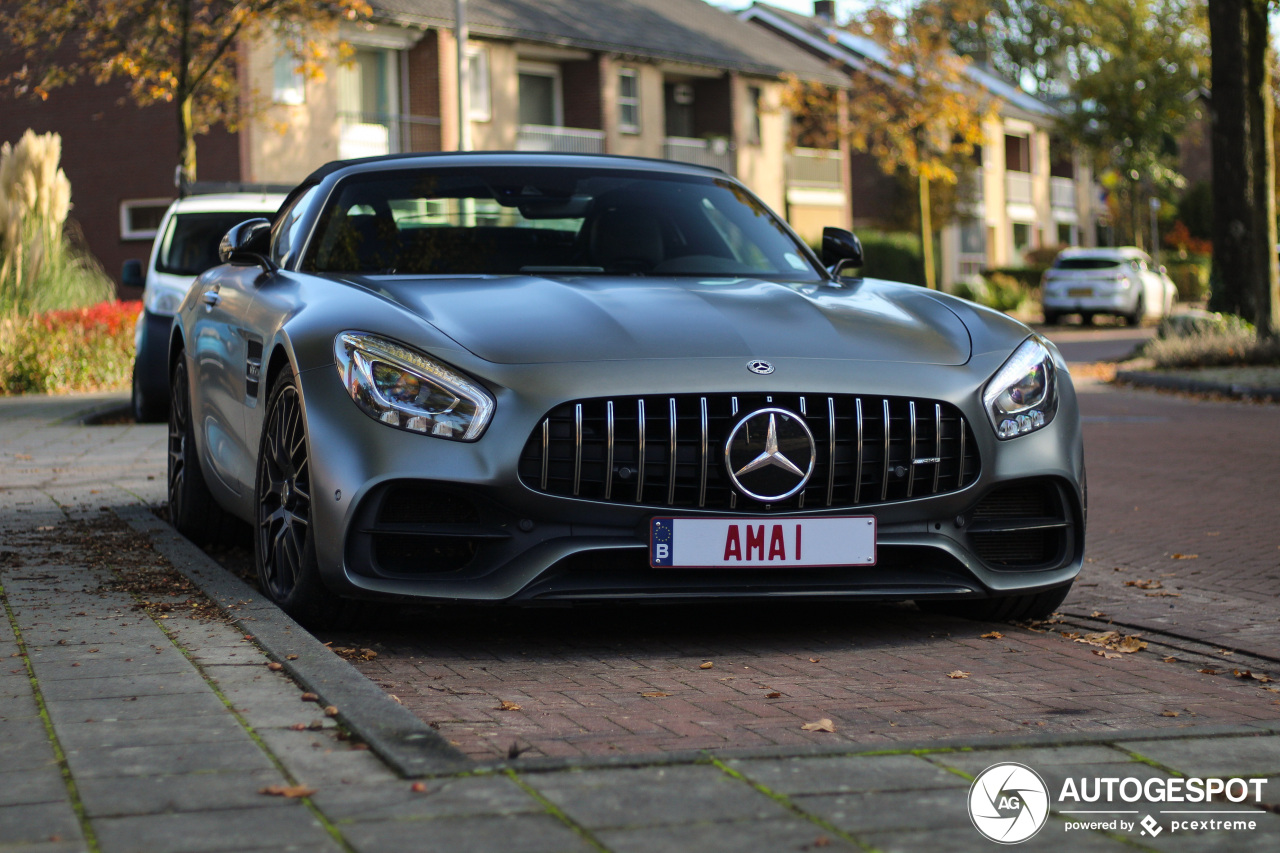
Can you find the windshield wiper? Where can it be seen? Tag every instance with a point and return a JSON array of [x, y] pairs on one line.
[[554, 270]]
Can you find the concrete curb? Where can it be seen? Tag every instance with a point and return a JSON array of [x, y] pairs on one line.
[[1150, 379], [409, 746]]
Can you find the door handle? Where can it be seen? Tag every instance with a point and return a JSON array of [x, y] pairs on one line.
[[211, 298]]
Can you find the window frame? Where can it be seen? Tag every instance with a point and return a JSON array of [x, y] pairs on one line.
[[127, 206], [544, 69], [633, 100]]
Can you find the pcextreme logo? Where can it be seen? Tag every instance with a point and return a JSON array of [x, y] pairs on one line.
[[1009, 803]]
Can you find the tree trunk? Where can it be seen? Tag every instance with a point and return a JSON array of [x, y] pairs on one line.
[[186, 132], [1244, 279], [926, 234], [188, 152]]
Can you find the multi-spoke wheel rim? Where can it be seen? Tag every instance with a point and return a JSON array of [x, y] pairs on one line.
[[179, 412], [284, 496]]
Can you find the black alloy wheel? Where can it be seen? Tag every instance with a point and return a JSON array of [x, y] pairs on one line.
[[284, 545], [192, 509], [283, 496]]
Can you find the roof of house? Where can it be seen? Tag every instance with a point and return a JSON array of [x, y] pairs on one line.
[[865, 54], [688, 31]]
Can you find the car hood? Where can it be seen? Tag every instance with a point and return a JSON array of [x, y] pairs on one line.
[[533, 320]]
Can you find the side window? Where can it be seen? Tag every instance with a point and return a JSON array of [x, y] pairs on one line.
[[288, 235]]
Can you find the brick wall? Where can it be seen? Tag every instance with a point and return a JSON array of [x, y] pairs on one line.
[[113, 151], [424, 91], [582, 96]]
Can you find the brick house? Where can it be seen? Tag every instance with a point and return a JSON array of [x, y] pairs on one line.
[[1033, 190]]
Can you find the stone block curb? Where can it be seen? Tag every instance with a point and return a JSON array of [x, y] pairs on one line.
[[1151, 379], [408, 745]]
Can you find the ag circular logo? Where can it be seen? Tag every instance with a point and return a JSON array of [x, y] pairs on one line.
[[770, 454], [1008, 803]]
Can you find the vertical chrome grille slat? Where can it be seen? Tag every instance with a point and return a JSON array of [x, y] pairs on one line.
[[857, 474], [937, 444], [608, 453], [960, 485], [671, 460], [804, 409], [577, 448], [884, 483], [640, 455], [911, 472], [546, 450], [706, 459], [831, 448]]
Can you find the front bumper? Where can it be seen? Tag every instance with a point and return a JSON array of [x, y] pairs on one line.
[[402, 515], [151, 357]]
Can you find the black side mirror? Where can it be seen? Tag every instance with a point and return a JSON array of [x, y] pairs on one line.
[[131, 273], [840, 249], [248, 243]]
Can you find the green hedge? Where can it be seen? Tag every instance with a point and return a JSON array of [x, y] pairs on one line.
[[1028, 277], [1191, 277]]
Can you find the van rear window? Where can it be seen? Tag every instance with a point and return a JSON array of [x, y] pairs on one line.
[[1087, 264]]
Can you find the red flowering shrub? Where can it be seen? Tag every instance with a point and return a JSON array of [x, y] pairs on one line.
[[80, 349]]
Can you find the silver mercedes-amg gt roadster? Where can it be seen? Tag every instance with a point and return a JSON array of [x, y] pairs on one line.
[[526, 378]]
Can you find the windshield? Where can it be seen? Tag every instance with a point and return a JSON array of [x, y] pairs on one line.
[[1087, 263], [189, 245], [549, 221]]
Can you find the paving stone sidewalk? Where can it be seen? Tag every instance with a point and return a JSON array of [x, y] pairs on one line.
[[135, 728]]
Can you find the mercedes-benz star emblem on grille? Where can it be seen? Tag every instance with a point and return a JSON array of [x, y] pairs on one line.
[[770, 455], [763, 368]]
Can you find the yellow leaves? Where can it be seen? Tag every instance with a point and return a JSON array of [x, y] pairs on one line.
[[1185, 556], [706, 665], [993, 635], [290, 791], [1150, 583], [506, 705], [1112, 644], [959, 673], [655, 694], [823, 725]]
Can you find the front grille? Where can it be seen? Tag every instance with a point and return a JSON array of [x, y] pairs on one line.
[[1022, 526], [668, 451]]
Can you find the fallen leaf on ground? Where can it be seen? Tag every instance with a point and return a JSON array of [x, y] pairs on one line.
[[299, 727], [290, 657], [773, 695], [1107, 655], [1130, 644], [506, 705], [706, 665], [1186, 556], [959, 673], [654, 694], [1208, 671], [823, 725], [815, 660], [418, 787], [331, 711], [1164, 595], [993, 635], [396, 698], [275, 667], [1263, 678], [1170, 659], [1168, 713], [1149, 583], [310, 697], [287, 791], [1097, 614]]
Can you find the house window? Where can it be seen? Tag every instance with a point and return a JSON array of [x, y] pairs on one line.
[[540, 98], [478, 82], [754, 95], [1066, 234], [628, 100], [140, 218], [368, 103], [289, 84], [1017, 153], [1021, 236]]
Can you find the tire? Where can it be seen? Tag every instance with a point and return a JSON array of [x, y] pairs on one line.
[[1139, 311], [1011, 608], [284, 550], [192, 509], [1086, 318], [1052, 318], [147, 408]]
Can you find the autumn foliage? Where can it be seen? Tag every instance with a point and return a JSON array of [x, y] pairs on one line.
[[81, 349]]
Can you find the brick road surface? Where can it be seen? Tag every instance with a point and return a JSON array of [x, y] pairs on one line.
[[1202, 473]]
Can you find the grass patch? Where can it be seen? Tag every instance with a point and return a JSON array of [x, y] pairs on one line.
[[57, 352], [1210, 340]]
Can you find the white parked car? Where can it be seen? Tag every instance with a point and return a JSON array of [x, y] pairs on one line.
[[186, 245], [1121, 281]]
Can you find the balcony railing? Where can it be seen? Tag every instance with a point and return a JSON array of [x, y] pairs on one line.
[[1017, 187], [815, 167], [371, 134], [1062, 192], [702, 152], [573, 140]]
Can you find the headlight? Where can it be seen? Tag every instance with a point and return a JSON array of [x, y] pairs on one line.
[[406, 389], [162, 301], [1023, 395]]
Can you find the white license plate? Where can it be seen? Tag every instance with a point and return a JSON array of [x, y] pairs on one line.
[[705, 543]]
